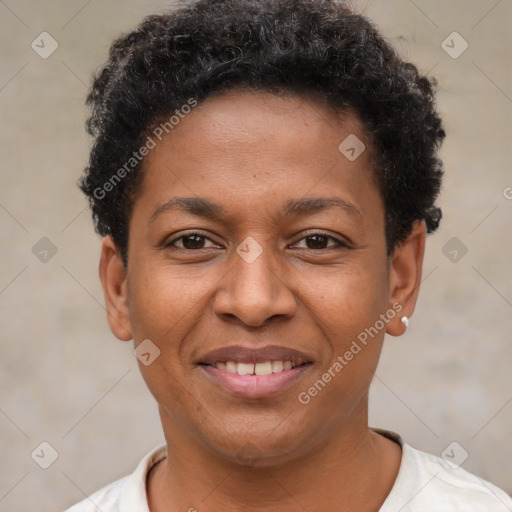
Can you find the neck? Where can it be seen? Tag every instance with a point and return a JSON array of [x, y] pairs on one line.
[[353, 470]]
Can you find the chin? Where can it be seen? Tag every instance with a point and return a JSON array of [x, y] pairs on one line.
[[257, 449]]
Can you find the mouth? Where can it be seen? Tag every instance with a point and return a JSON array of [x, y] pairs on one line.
[[265, 368], [255, 373]]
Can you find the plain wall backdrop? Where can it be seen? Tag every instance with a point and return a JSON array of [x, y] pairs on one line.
[[67, 381]]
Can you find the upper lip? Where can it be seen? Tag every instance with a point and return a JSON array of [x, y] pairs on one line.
[[244, 354]]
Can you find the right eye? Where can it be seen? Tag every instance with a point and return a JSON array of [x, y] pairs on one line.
[[190, 241]]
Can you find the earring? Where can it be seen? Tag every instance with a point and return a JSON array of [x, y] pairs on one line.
[[405, 321]]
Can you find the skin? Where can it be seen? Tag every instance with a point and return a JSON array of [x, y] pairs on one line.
[[250, 153]]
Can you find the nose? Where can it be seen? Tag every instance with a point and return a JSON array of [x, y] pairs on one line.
[[254, 291]]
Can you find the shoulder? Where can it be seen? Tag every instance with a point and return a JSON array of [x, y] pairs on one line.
[[126, 494], [426, 482], [447, 477], [105, 499]]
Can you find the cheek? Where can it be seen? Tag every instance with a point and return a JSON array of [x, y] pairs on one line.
[[164, 302], [347, 316], [349, 299], [164, 309], [347, 306]]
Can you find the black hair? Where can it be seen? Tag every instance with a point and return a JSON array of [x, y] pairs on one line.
[[179, 57]]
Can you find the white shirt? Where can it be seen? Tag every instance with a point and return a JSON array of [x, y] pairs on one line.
[[425, 483]]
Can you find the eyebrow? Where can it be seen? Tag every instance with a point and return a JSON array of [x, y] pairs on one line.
[[202, 207]]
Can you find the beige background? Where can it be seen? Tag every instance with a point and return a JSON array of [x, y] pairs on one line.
[[66, 380]]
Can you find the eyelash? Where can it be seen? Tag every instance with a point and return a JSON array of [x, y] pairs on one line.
[[339, 243]]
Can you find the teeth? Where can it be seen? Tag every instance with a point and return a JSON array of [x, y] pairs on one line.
[[263, 368], [266, 368], [277, 366], [230, 366], [245, 369]]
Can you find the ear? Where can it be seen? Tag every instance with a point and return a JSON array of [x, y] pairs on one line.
[[115, 289], [405, 276]]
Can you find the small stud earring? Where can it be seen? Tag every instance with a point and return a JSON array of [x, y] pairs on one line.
[[405, 321]]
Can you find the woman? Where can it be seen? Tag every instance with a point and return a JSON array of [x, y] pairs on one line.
[[264, 175]]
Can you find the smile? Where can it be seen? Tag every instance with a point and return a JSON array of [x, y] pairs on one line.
[[250, 380], [266, 368]]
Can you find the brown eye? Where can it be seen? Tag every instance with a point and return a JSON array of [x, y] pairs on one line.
[[193, 241], [189, 242], [319, 241]]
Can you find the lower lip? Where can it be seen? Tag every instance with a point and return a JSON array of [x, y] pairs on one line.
[[255, 386]]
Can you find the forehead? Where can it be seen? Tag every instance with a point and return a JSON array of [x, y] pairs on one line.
[[288, 123], [244, 148]]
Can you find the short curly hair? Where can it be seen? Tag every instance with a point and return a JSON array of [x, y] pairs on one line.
[[318, 46]]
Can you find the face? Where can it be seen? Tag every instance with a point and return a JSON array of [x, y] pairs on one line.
[[256, 245]]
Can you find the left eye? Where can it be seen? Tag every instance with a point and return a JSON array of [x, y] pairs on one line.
[[318, 241]]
